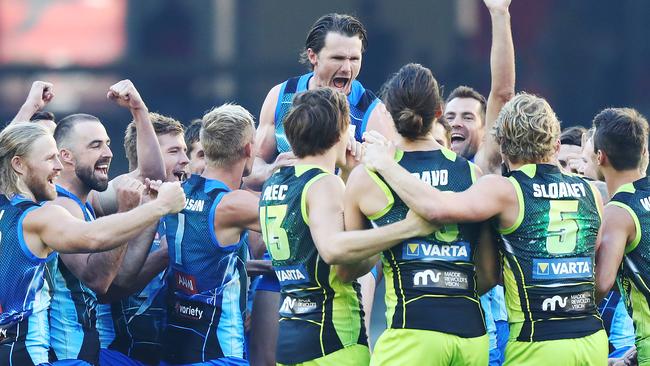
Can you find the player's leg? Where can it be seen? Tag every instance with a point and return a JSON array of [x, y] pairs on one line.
[[264, 325]]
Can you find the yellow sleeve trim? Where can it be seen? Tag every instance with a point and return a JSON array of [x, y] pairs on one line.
[[303, 196], [520, 215], [637, 226], [389, 195]]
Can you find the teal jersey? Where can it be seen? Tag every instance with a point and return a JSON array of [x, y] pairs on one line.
[[634, 276], [548, 265], [319, 314], [437, 271]]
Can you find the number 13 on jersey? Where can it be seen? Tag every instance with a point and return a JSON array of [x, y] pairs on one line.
[[275, 237]]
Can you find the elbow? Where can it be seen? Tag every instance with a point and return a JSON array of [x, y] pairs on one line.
[[603, 286], [332, 255], [503, 95], [99, 285]]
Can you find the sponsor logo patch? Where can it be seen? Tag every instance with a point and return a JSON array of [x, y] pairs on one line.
[[292, 275], [294, 305], [440, 279], [188, 311], [422, 250], [185, 283], [568, 303], [560, 268]]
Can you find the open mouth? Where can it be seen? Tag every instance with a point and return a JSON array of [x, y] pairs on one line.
[[52, 179], [340, 82], [181, 176], [457, 138], [102, 168]]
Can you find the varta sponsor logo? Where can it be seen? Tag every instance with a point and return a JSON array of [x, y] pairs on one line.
[[288, 275], [562, 268], [551, 303], [194, 205], [456, 251], [433, 178]]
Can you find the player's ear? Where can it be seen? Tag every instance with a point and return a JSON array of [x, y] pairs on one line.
[[312, 56], [601, 157], [557, 146], [248, 149], [65, 156], [19, 165]]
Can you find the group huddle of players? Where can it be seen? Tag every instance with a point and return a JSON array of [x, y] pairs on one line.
[[230, 244]]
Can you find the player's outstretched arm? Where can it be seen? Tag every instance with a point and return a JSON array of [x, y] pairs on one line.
[[238, 209], [488, 197], [617, 230], [54, 227], [502, 69], [40, 94], [488, 270], [150, 160], [336, 246]]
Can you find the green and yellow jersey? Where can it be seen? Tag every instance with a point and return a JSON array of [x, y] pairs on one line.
[[319, 314], [431, 281], [634, 276], [548, 263]]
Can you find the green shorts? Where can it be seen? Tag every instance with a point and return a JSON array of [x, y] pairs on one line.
[[586, 351], [429, 348], [355, 355], [643, 352]]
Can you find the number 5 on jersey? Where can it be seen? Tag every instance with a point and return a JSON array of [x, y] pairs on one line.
[[275, 237]]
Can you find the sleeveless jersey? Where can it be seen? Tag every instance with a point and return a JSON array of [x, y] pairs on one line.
[[437, 271], [319, 314], [548, 263], [134, 325], [73, 331], [362, 103], [24, 298], [634, 276], [204, 304]]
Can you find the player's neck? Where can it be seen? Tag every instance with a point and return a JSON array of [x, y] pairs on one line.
[[230, 175], [424, 143], [71, 183], [325, 161], [615, 179]]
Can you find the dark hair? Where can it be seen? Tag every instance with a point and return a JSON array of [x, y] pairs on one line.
[[622, 134], [192, 134], [572, 135], [42, 116], [338, 23], [65, 126], [412, 97], [464, 91], [316, 120], [162, 125]]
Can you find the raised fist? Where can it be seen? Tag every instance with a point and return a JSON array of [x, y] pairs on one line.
[[128, 192], [40, 95], [126, 95], [171, 197], [501, 5]]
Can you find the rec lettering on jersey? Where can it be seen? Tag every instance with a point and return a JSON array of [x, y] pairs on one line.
[[433, 178], [440, 279], [294, 305], [559, 190], [572, 303], [185, 283], [645, 202], [292, 275], [561, 268], [194, 205], [188, 311], [276, 192], [422, 250]]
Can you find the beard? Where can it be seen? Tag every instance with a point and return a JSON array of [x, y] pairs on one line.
[[86, 175], [40, 188]]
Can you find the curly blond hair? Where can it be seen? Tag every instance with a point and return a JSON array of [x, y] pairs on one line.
[[527, 129]]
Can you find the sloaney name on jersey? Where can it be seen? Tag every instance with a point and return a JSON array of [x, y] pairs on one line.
[[559, 190]]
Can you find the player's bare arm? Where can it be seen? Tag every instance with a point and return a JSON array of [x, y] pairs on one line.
[[40, 94], [502, 70], [617, 230], [52, 227], [336, 246]]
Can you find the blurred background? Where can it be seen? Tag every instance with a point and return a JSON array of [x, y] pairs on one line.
[[188, 56]]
